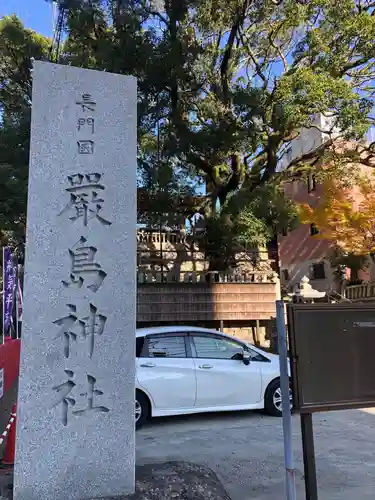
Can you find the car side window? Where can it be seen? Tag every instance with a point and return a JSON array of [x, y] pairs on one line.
[[255, 356], [167, 346], [139, 346], [216, 348]]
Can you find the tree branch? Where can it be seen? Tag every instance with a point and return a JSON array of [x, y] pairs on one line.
[[240, 16], [354, 64], [258, 67], [234, 181], [153, 12], [271, 149], [366, 155], [277, 48], [311, 155]]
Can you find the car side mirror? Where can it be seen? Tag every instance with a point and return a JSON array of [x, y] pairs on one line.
[[246, 357]]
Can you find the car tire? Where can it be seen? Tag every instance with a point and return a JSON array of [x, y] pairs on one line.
[[142, 409], [272, 399]]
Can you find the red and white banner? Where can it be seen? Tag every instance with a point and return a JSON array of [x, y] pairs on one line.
[[10, 362], [19, 303]]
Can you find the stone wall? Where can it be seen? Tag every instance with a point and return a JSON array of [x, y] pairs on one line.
[[177, 252], [173, 303]]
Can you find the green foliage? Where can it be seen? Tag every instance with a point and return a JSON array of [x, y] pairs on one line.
[[17, 48], [267, 203], [164, 183], [247, 220], [226, 233]]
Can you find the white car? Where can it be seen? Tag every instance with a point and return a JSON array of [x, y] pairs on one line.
[[184, 369]]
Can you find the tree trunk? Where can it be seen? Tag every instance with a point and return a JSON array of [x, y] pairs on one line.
[[274, 254]]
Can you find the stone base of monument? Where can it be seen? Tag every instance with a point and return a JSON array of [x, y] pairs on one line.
[[164, 481], [175, 481]]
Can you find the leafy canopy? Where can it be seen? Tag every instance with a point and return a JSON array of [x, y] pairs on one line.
[[17, 48], [229, 84], [225, 86]]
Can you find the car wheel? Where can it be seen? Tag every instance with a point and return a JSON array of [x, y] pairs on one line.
[[272, 403], [142, 409]]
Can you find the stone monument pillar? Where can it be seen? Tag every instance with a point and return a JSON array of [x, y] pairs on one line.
[[75, 435]]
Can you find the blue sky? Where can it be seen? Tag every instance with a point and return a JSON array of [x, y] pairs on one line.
[[35, 14]]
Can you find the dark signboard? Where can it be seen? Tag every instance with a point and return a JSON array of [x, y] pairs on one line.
[[332, 348]]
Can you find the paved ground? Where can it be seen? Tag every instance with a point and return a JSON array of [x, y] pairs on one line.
[[245, 450]]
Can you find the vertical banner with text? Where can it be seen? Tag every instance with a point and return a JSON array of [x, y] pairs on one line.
[[9, 288]]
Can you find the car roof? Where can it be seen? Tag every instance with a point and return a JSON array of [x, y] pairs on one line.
[[155, 330]]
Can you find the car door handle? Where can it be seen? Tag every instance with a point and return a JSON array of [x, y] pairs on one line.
[[148, 365], [205, 367]]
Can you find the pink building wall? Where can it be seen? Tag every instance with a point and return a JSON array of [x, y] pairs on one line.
[[299, 250]]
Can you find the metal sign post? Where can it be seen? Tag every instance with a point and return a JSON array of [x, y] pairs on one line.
[[311, 485], [285, 400], [322, 379]]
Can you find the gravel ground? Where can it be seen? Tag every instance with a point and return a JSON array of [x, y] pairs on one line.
[[245, 450]]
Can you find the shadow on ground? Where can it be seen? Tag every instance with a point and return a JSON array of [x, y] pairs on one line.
[[245, 450]]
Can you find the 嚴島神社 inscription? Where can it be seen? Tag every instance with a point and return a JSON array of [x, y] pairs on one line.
[[77, 366], [85, 199]]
